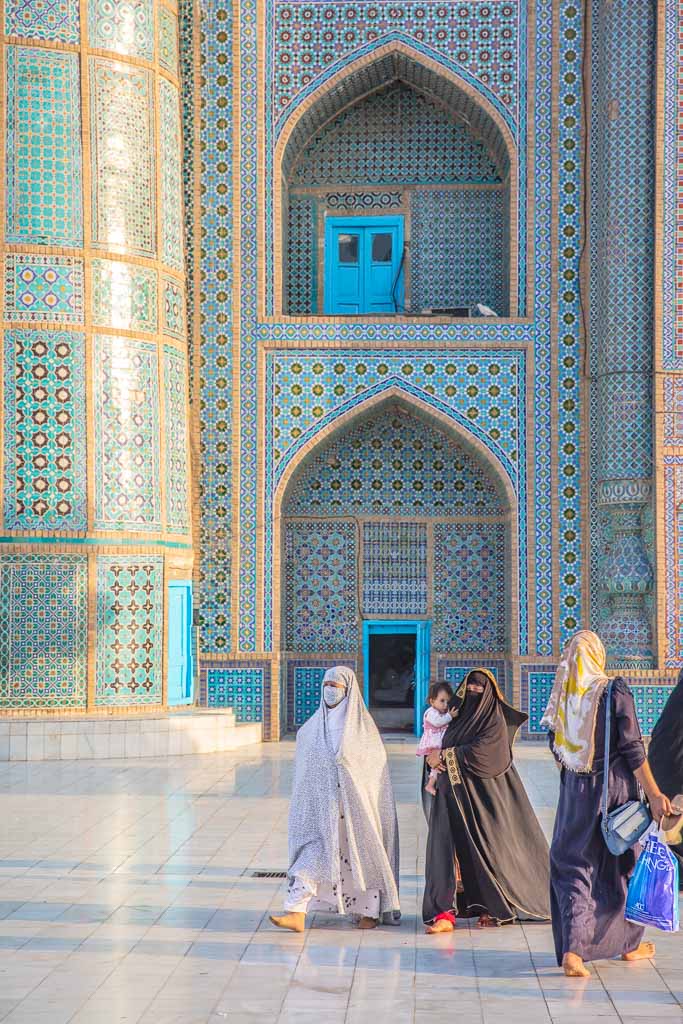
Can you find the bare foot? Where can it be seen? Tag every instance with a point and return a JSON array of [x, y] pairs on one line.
[[574, 966], [645, 951], [366, 923], [431, 790], [439, 926], [486, 921], [292, 922]]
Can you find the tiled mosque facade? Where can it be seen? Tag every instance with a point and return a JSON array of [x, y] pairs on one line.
[[497, 455]]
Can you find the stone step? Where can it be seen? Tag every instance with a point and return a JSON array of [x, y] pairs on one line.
[[82, 737]]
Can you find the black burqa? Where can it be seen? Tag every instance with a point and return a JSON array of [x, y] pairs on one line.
[[665, 753], [482, 816]]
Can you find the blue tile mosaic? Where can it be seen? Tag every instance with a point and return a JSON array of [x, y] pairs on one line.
[[129, 631], [43, 631], [39, 287], [54, 20], [395, 569], [127, 483], [44, 204], [238, 688], [469, 611], [45, 437]]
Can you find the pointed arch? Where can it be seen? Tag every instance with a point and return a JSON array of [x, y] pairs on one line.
[[396, 60], [448, 424]]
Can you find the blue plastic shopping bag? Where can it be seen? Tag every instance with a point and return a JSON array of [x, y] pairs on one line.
[[653, 888]]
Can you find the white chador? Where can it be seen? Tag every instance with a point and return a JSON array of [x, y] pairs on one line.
[[343, 832]]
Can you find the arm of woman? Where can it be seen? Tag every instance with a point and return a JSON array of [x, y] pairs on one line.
[[632, 749]]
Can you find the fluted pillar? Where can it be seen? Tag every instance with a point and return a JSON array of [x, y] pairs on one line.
[[95, 482], [622, 307]]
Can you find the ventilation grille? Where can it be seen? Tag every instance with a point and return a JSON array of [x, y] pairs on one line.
[[269, 874]]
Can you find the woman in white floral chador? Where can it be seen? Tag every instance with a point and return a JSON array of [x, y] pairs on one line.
[[343, 832]]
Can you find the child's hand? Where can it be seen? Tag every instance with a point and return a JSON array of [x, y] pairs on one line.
[[453, 712]]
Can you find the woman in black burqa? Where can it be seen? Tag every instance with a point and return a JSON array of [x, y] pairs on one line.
[[481, 817], [665, 755]]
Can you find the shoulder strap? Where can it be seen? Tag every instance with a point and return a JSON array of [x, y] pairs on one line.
[[608, 729]]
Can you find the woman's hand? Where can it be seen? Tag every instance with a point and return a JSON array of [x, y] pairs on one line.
[[660, 806], [434, 761]]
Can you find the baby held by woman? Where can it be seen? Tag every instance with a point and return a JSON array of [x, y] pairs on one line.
[[436, 719]]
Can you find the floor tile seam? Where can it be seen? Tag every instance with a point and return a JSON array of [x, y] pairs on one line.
[[56, 967]]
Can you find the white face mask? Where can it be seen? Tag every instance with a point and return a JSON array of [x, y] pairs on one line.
[[332, 695]]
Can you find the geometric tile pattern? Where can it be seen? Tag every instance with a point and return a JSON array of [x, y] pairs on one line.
[[213, 305], [672, 109], [302, 291], [43, 138], [394, 136], [130, 610], [483, 388], [126, 384], [392, 464], [44, 288], [394, 569], [177, 477], [469, 587], [171, 176], [124, 295], [124, 26], [122, 139], [43, 630], [173, 309], [307, 689], [650, 701], [673, 532], [539, 684], [56, 20], [45, 430], [320, 586], [310, 38], [168, 40], [443, 271], [673, 415], [238, 688]]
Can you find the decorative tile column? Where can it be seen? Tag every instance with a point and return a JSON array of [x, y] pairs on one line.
[[622, 242], [95, 480]]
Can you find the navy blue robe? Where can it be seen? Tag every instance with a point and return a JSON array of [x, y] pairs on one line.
[[588, 885]]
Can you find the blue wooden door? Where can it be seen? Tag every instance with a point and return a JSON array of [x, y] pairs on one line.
[[179, 642], [363, 265]]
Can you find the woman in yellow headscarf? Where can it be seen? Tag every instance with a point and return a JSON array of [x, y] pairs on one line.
[[588, 884]]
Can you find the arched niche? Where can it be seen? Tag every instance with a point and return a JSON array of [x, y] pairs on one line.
[[321, 544], [454, 184]]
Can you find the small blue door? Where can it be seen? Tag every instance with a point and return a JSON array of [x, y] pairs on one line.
[[179, 642], [421, 630], [363, 265]]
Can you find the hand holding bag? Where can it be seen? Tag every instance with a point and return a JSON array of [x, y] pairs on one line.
[[625, 825]]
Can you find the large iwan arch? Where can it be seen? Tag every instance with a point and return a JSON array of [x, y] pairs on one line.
[[396, 62], [453, 517]]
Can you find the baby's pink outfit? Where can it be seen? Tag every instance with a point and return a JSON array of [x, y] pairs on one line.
[[434, 725]]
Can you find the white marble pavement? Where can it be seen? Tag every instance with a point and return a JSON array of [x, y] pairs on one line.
[[126, 896]]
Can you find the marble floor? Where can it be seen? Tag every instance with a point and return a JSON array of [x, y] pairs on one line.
[[127, 896]]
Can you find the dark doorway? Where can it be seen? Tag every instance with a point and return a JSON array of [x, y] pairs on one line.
[[392, 679]]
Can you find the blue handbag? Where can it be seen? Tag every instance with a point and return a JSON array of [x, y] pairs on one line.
[[625, 825]]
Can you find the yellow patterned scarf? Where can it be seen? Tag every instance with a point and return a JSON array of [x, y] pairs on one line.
[[573, 706]]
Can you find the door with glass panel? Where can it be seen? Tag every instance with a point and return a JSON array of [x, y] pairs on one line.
[[363, 265]]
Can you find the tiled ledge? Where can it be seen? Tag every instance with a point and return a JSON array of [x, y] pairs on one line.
[[82, 738]]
